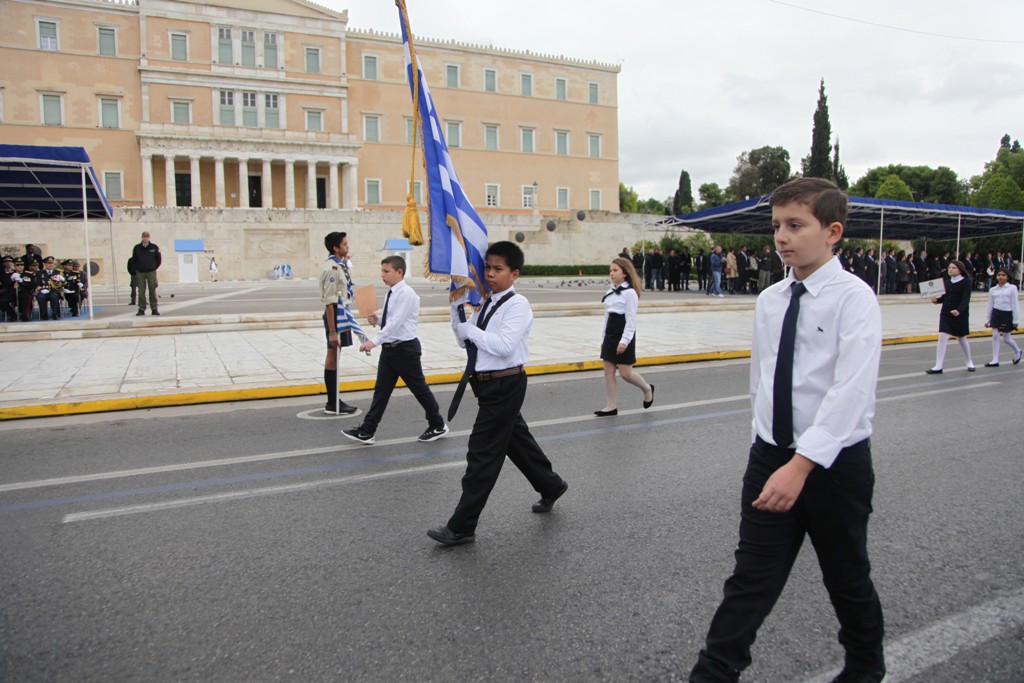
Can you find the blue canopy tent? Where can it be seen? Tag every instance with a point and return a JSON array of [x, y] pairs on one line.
[[867, 218], [51, 183]]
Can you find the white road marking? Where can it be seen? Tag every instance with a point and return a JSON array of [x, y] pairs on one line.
[[921, 650], [947, 390]]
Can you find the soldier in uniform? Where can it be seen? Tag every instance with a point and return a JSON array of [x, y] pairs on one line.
[[26, 287], [72, 289], [49, 283], [8, 292]]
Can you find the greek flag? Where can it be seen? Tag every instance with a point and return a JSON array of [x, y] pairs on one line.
[[344, 320], [458, 238]]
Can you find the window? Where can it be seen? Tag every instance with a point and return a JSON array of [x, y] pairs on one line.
[[370, 67], [593, 92], [248, 47], [271, 112], [526, 137], [562, 142], [451, 74], [179, 47], [490, 80], [491, 138], [594, 145], [454, 133], [529, 198], [561, 88], [227, 108], [314, 120], [493, 194], [312, 60], [526, 85], [249, 109], [110, 113], [373, 192], [417, 191], [47, 35], [52, 108], [562, 194], [408, 131], [106, 41], [270, 50], [371, 128], [181, 112], [112, 185], [224, 46], [595, 200]]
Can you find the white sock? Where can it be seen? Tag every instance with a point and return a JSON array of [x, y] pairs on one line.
[[967, 350], [995, 346], [940, 351], [1012, 343]]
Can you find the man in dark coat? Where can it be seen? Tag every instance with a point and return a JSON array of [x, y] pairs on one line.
[[146, 257]]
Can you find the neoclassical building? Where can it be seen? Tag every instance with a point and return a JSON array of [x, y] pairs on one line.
[[277, 104]]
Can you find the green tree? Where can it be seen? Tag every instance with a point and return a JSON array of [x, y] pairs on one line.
[[894, 188], [759, 172], [1000, 192], [819, 164], [712, 195], [652, 205], [838, 172], [682, 201], [628, 199], [933, 185]]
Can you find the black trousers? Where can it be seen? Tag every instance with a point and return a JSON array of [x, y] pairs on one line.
[[53, 299], [73, 299], [401, 361], [8, 306], [499, 430], [833, 511]]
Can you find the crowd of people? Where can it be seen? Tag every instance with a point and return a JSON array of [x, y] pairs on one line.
[[31, 282], [901, 272]]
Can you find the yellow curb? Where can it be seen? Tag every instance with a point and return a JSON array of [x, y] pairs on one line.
[[291, 391]]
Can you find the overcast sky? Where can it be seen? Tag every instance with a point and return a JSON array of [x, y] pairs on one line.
[[703, 81]]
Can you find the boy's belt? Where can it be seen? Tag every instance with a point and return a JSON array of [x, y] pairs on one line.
[[391, 345], [498, 374]]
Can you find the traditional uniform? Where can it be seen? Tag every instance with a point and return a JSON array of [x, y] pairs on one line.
[[72, 288]]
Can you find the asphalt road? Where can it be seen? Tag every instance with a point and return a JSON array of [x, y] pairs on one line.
[[247, 542]]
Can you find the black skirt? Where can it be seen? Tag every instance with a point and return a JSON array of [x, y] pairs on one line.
[[612, 336], [1002, 320]]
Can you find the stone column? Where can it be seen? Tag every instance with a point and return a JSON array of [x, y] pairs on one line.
[[311, 184], [267, 181], [218, 182], [171, 199], [147, 180], [351, 182], [332, 185], [289, 184], [197, 186], [243, 183]]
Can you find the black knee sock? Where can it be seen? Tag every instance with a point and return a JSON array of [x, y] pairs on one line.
[[331, 381]]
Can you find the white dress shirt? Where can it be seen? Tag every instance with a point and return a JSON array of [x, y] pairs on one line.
[[503, 344], [403, 315], [625, 302], [835, 362], [1004, 298]]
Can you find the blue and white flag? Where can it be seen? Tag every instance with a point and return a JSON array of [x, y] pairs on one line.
[[458, 238], [344, 320]]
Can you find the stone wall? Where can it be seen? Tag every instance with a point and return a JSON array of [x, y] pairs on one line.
[[248, 243]]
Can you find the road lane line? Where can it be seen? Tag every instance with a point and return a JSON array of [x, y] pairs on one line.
[[921, 650]]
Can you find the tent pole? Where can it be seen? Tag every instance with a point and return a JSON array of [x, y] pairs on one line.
[[1019, 284], [113, 263], [85, 222], [959, 216], [878, 254]]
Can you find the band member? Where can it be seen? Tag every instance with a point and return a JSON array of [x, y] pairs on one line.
[[49, 283]]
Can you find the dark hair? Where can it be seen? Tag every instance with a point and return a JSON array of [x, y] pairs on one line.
[[333, 240], [626, 266], [396, 262], [823, 197], [510, 252], [1004, 271], [963, 271]]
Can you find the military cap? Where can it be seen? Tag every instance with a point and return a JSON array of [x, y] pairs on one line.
[[8, 258], [19, 261], [66, 262], [76, 264]]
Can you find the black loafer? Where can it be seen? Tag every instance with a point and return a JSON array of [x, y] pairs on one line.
[[547, 502], [971, 369], [1017, 358], [447, 537], [648, 404], [991, 365], [932, 371], [606, 413]]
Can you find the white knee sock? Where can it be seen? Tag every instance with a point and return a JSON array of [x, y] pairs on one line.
[[967, 350], [1012, 343], [940, 351], [995, 346]]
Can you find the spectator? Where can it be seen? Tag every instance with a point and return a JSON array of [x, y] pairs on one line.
[[147, 260]]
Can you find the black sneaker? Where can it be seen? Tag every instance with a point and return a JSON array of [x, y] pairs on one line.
[[358, 434], [342, 409], [850, 676], [433, 433]]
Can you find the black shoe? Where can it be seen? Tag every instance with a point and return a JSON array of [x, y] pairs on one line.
[[849, 676], [342, 409], [1016, 359], [433, 433], [155, 313], [132, 303], [993, 364], [447, 537], [971, 369], [358, 434], [607, 413], [547, 502], [141, 312], [648, 404], [933, 371]]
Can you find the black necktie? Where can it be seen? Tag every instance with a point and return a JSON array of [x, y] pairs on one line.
[[384, 316], [618, 291], [782, 412], [471, 350]]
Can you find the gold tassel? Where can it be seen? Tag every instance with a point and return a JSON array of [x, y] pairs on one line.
[[411, 222]]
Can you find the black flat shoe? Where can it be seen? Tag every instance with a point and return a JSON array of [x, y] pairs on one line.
[[971, 369], [932, 371], [991, 365], [606, 413], [1017, 358], [648, 404], [447, 537], [547, 502]]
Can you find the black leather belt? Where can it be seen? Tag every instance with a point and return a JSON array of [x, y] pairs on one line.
[[391, 345], [498, 374]]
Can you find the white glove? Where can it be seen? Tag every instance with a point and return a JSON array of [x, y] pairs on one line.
[[44, 291], [463, 329]]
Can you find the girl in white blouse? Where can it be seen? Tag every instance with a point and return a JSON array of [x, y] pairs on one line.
[[1003, 316], [618, 350]]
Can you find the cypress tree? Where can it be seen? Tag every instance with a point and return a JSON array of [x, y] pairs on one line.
[[819, 164]]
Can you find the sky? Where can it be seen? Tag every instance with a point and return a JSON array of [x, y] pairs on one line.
[[915, 82]]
